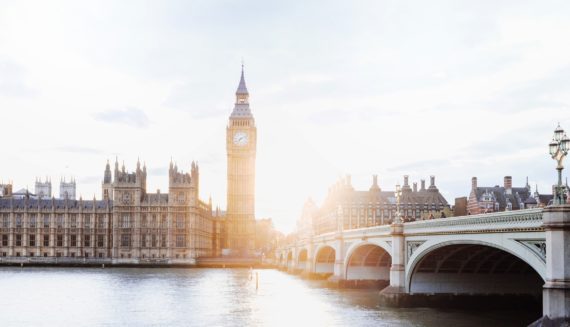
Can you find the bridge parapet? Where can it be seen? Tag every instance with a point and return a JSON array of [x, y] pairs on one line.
[[367, 231], [507, 221]]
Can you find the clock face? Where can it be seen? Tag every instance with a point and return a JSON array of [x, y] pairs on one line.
[[240, 138]]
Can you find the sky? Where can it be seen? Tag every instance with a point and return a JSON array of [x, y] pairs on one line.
[[453, 89]]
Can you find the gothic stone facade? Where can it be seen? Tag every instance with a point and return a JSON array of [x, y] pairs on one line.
[[358, 209], [241, 140], [485, 199], [128, 226]]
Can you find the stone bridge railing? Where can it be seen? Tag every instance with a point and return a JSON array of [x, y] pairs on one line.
[[519, 220], [535, 236]]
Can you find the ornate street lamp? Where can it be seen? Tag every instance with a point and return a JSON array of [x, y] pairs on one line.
[[558, 149], [398, 194]]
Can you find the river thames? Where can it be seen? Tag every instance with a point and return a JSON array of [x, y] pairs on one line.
[[33, 296]]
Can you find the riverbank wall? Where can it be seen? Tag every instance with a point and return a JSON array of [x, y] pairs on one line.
[[133, 262]]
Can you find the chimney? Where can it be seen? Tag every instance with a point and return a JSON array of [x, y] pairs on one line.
[[432, 181], [374, 186], [415, 187], [473, 183], [508, 184], [405, 180], [423, 185]]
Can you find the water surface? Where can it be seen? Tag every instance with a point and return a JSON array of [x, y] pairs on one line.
[[206, 297]]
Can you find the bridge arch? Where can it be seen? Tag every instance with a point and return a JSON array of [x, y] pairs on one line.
[[368, 261], [280, 260], [289, 262], [302, 255], [284, 258], [475, 266], [325, 259]]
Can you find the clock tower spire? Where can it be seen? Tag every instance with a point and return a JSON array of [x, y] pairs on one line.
[[241, 140], [241, 107]]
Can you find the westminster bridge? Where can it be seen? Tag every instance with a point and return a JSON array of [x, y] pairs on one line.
[[510, 253]]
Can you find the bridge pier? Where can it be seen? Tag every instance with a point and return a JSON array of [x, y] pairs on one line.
[[292, 266], [556, 293], [393, 294], [339, 275], [310, 263]]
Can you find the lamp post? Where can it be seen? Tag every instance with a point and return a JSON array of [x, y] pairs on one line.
[[558, 149], [398, 194]]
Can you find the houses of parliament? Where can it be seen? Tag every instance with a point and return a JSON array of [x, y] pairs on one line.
[[132, 226]]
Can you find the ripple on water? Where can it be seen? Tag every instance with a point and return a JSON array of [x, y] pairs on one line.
[[205, 297]]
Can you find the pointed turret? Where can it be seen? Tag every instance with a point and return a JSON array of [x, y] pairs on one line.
[[241, 108], [375, 186], [116, 169], [242, 89], [107, 174]]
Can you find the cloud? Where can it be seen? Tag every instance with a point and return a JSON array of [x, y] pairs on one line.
[[91, 179], [159, 171], [131, 116], [12, 81], [77, 149], [197, 99], [422, 164]]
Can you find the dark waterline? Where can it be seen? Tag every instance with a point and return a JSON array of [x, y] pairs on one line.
[[207, 297]]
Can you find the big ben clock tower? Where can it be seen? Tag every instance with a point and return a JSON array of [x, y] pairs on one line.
[[241, 137]]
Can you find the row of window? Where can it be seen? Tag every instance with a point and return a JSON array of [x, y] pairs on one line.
[[57, 254], [88, 254], [45, 240], [147, 240], [152, 240], [45, 220], [125, 221]]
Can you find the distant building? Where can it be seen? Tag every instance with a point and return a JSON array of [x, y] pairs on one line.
[[219, 232], [484, 199], [23, 193], [241, 144], [43, 189], [67, 189], [5, 190], [305, 223], [266, 237], [129, 225], [347, 208], [460, 207]]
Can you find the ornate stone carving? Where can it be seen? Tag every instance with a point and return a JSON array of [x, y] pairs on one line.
[[412, 247], [536, 246]]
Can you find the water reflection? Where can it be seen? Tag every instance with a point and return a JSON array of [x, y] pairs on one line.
[[205, 297]]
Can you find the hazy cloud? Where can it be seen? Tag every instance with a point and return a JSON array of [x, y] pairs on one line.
[[77, 149], [12, 81], [131, 116], [196, 99], [91, 179], [158, 171], [389, 87], [420, 165]]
